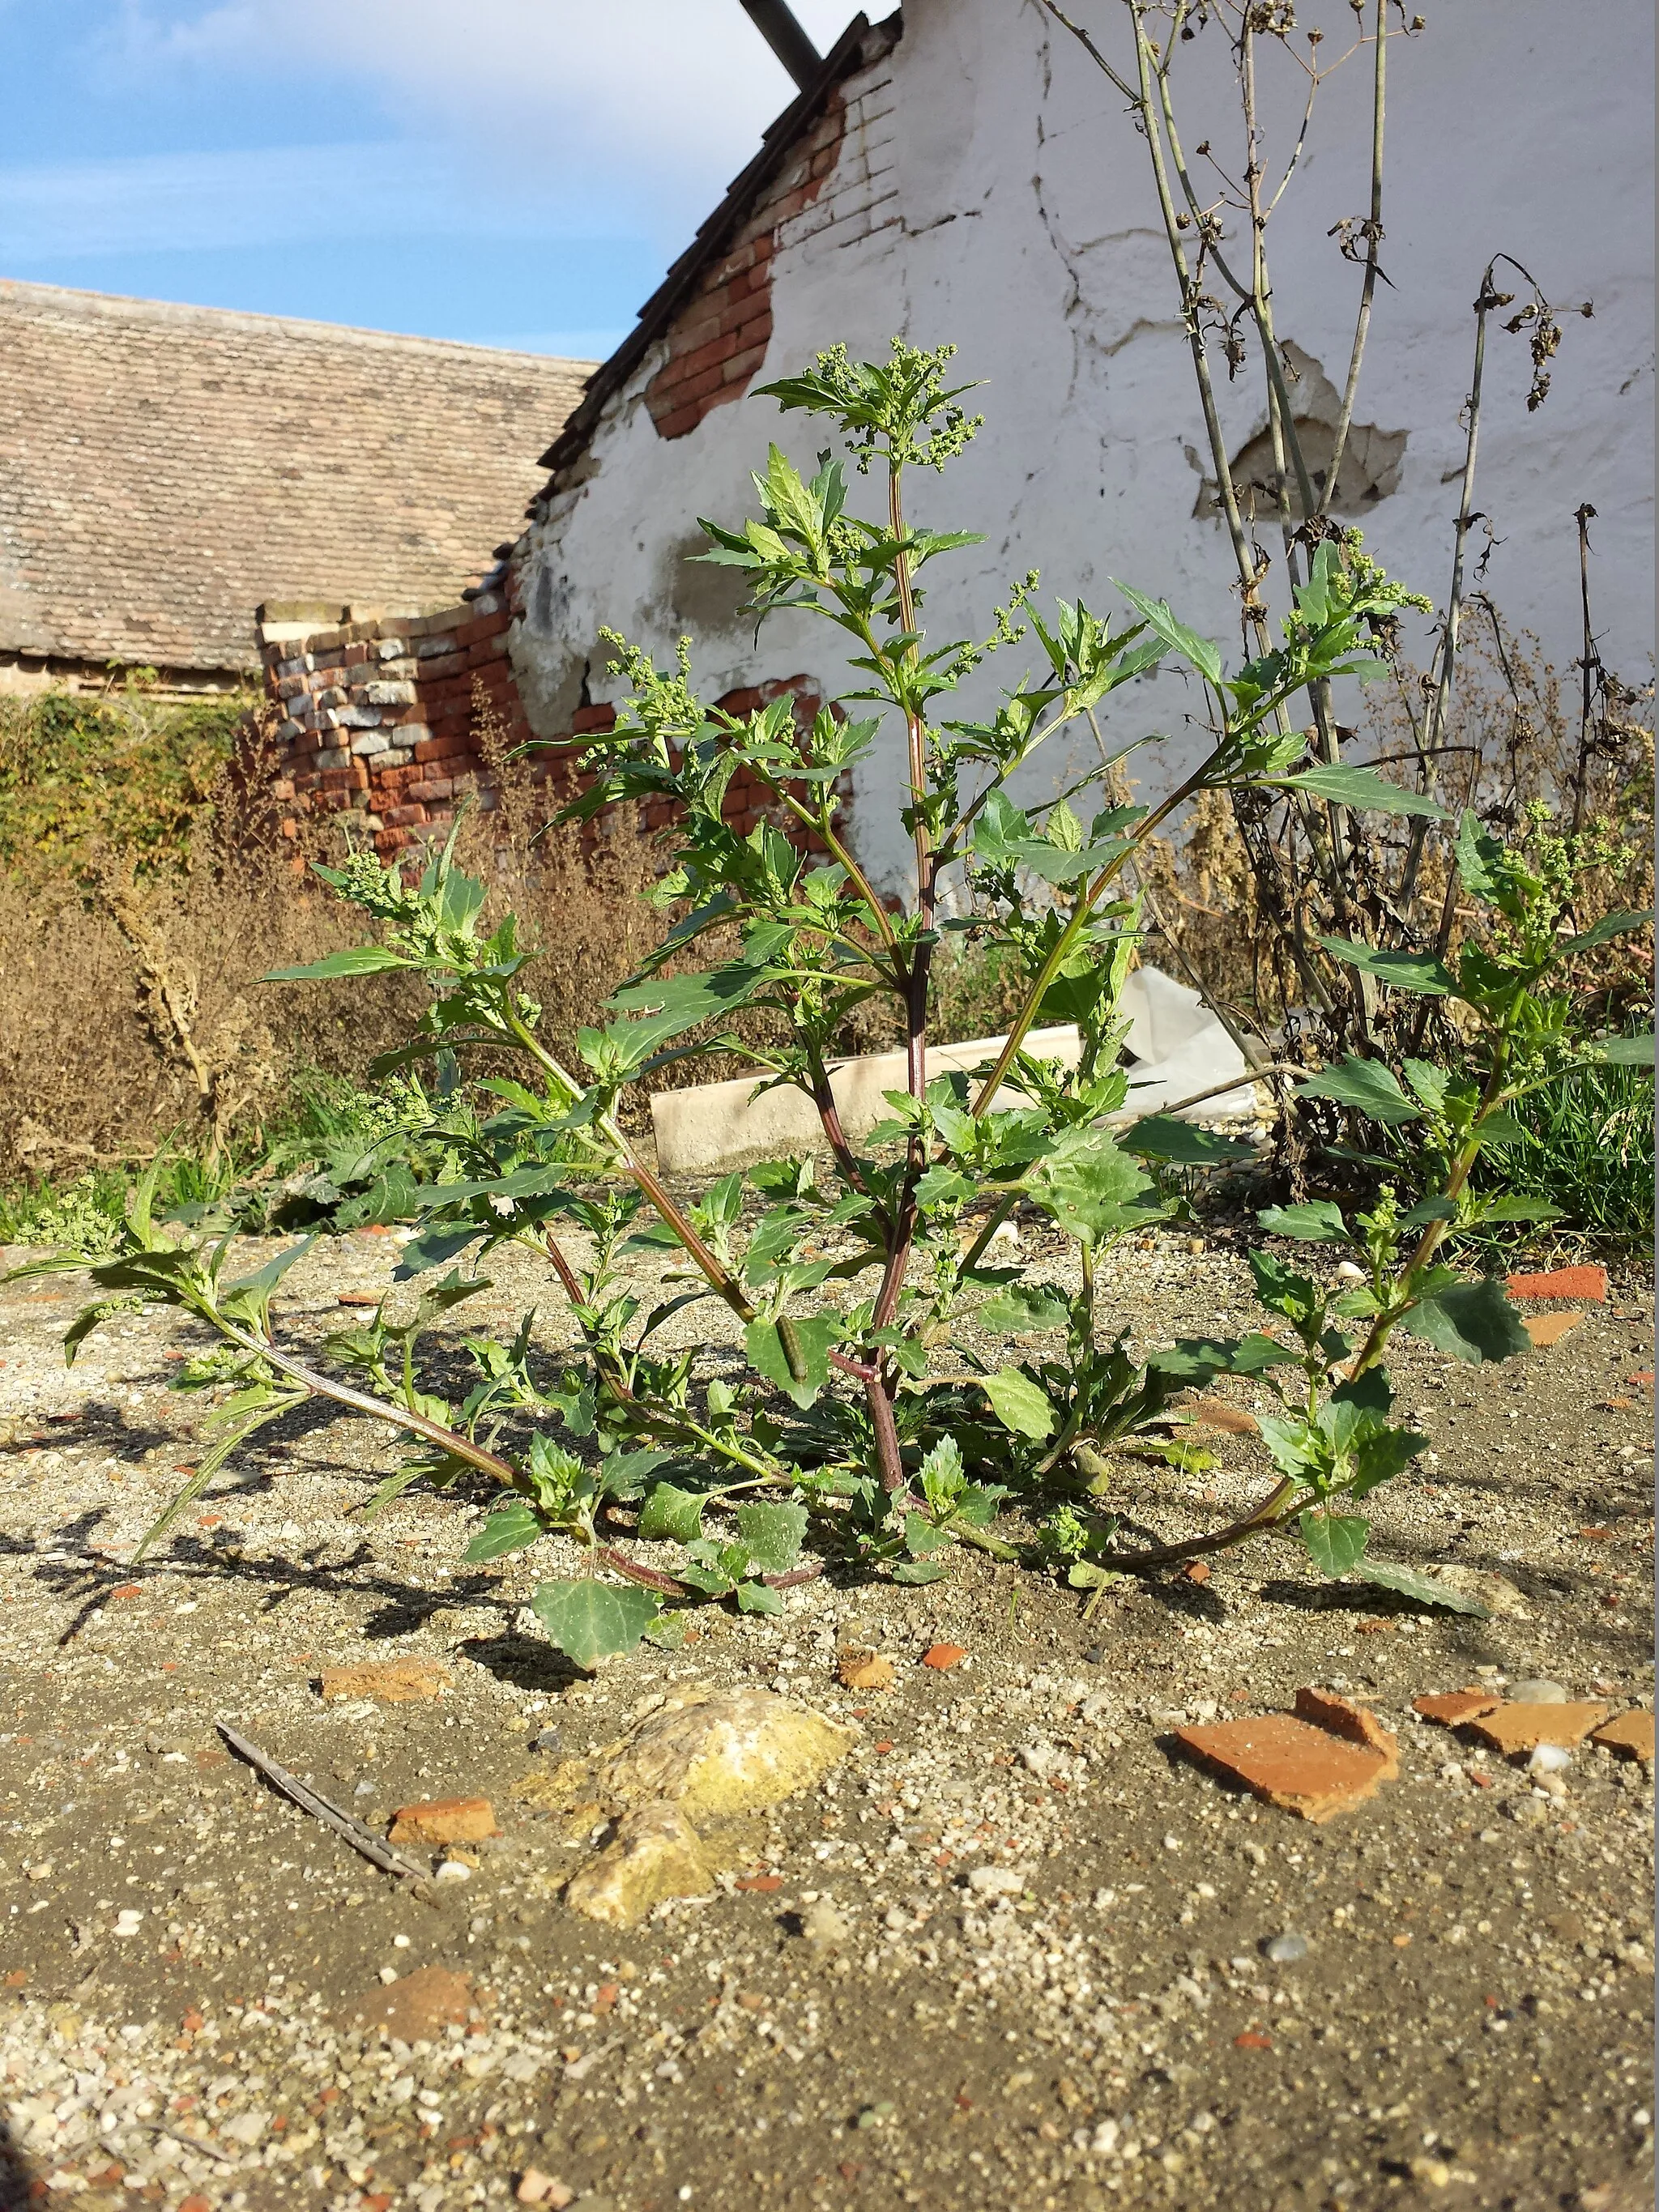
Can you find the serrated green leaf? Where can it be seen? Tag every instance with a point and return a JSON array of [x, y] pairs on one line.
[[1423, 1589], [592, 1620], [1083, 1574], [1624, 1052], [1334, 1540], [921, 1539], [1610, 926], [773, 1535], [918, 1571], [1183, 1143], [512, 1526], [673, 1513], [1474, 1321], [1019, 1404], [1513, 1208], [802, 1377], [1025, 1309], [754, 1597], [1401, 971], [1317, 1222], [1365, 789], [1366, 1083], [1155, 613], [354, 960], [1095, 1190]]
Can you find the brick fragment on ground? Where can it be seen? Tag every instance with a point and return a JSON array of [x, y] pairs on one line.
[[1327, 1758], [1216, 1413], [1630, 1732], [1589, 1283], [1512, 1729], [865, 1670], [1451, 1708], [417, 2005], [444, 1821], [943, 1656], [1545, 1329], [388, 1681]]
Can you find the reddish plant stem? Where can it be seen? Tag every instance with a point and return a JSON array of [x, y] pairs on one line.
[[1267, 1515], [792, 1581], [649, 1577]]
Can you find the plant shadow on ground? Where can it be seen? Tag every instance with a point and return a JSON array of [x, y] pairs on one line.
[[100, 1424], [19, 2185]]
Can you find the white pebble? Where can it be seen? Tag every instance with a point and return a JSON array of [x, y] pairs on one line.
[[1549, 1758], [452, 1871], [996, 1881]]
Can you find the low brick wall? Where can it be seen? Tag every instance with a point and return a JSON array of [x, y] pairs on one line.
[[378, 717], [379, 722]]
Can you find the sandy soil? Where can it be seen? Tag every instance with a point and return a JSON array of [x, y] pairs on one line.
[[1470, 2024]]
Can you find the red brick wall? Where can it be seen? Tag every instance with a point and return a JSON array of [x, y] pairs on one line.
[[379, 723], [720, 338]]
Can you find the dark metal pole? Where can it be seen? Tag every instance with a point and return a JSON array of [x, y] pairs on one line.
[[776, 24]]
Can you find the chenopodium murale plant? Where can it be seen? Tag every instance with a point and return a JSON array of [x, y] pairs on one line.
[[860, 1416]]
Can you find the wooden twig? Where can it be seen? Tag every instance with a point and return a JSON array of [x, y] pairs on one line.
[[348, 1828]]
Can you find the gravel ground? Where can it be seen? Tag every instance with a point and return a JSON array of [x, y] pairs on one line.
[[1052, 1988]]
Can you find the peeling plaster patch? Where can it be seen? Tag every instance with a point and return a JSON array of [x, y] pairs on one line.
[[1371, 460]]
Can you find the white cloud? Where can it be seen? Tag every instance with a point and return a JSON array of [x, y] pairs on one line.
[[627, 116], [268, 196]]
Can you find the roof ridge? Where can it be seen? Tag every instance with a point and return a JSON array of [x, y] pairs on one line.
[[120, 306]]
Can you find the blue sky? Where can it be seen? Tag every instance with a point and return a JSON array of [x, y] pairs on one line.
[[512, 173]]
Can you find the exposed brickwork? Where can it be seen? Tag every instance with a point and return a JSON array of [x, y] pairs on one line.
[[379, 722], [719, 336], [859, 193]]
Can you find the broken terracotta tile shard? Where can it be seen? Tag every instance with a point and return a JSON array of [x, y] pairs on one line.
[[417, 2007], [1327, 1759], [1545, 1329], [1343, 1717], [1451, 1708], [1588, 1283], [654, 1855], [941, 1657], [388, 1681], [864, 1670], [1522, 1728], [444, 1821], [1631, 1733]]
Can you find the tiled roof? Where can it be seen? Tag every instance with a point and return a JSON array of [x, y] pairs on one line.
[[164, 469]]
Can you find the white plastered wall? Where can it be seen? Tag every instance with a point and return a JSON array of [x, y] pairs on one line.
[[992, 191]]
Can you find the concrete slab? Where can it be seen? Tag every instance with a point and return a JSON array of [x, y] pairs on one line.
[[1179, 1048]]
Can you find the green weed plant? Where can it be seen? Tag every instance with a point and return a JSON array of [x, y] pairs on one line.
[[862, 1421]]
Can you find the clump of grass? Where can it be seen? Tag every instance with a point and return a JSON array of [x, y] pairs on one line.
[[1588, 1148]]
